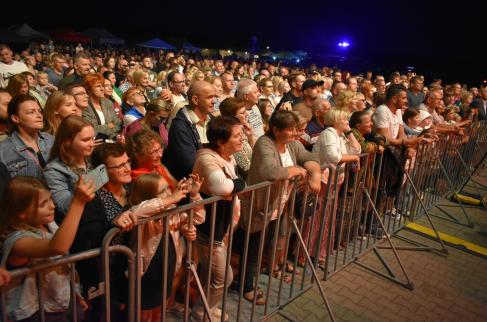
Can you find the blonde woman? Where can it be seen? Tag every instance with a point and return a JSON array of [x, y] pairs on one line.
[[336, 145], [141, 81], [58, 106], [346, 101]]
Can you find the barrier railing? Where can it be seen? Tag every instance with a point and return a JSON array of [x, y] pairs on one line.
[[358, 210], [37, 271]]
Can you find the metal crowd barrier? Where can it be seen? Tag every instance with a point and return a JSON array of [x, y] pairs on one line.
[[44, 267], [356, 212]]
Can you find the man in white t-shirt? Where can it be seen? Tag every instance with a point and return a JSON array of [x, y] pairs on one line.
[[388, 118], [247, 90], [8, 66], [388, 122]]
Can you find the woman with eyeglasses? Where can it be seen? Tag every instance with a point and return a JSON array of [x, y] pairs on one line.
[[100, 112], [105, 211], [134, 98], [145, 149]]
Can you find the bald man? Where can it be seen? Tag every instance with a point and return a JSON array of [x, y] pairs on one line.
[[316, 125], [188, 129]]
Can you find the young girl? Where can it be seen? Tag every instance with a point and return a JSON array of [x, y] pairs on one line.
[[152, 193], [28, 235], [69, 158]]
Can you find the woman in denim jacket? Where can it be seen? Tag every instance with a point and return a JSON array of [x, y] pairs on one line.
[[26, 150]]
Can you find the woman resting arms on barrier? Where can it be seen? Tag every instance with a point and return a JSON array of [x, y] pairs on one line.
[[149, 192], [278, 157], [28, 235], [216, 165], [335, 145]]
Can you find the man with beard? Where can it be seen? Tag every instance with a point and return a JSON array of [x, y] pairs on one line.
[[295, 95], [310, 94]]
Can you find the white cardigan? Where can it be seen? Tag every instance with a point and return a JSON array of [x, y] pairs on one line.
[[330, 147]]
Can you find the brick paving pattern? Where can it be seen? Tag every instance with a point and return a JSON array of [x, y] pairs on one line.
[[452, 288]]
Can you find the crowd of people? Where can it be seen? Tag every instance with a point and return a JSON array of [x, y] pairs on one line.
[[173, 128]]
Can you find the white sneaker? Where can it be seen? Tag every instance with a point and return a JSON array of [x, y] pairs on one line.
[[217, 314]]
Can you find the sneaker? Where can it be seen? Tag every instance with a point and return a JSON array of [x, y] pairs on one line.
[[217, 315], [177, 308], [198, 315], [395, 214]]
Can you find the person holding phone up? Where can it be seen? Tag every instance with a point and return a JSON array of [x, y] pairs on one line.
[[69, 159]]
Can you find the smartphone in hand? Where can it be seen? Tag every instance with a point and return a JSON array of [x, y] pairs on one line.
[[99, 176]]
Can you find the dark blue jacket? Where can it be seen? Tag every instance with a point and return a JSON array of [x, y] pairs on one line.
[[184, 141]]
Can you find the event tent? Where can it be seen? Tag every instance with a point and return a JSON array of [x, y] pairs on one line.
[[69, 35], [26, 31], [104, 36], [156, 43], [21, 34]]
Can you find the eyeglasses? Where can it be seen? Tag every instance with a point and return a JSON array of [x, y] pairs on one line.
[[126, 164], [138, 94], [156, 151]]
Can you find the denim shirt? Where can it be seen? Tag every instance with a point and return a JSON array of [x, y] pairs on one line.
[[20, 159]]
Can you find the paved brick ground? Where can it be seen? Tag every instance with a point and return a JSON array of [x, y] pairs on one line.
[[452, 288]]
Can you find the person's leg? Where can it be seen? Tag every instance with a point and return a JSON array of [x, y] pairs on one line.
[[252, 256]]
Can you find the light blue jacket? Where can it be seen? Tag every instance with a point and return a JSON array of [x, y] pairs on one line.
[[61, 181]]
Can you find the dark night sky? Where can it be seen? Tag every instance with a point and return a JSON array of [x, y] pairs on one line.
[[440, 39]]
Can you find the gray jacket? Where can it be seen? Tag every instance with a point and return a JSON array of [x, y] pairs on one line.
[[266, 165], [61, 181], [90, 115], [22, 160]]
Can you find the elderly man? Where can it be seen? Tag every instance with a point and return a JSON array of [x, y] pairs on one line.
[[8, 66], [188, 129], [432, 104], [248, 92], [316, 125], [81, 69]]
